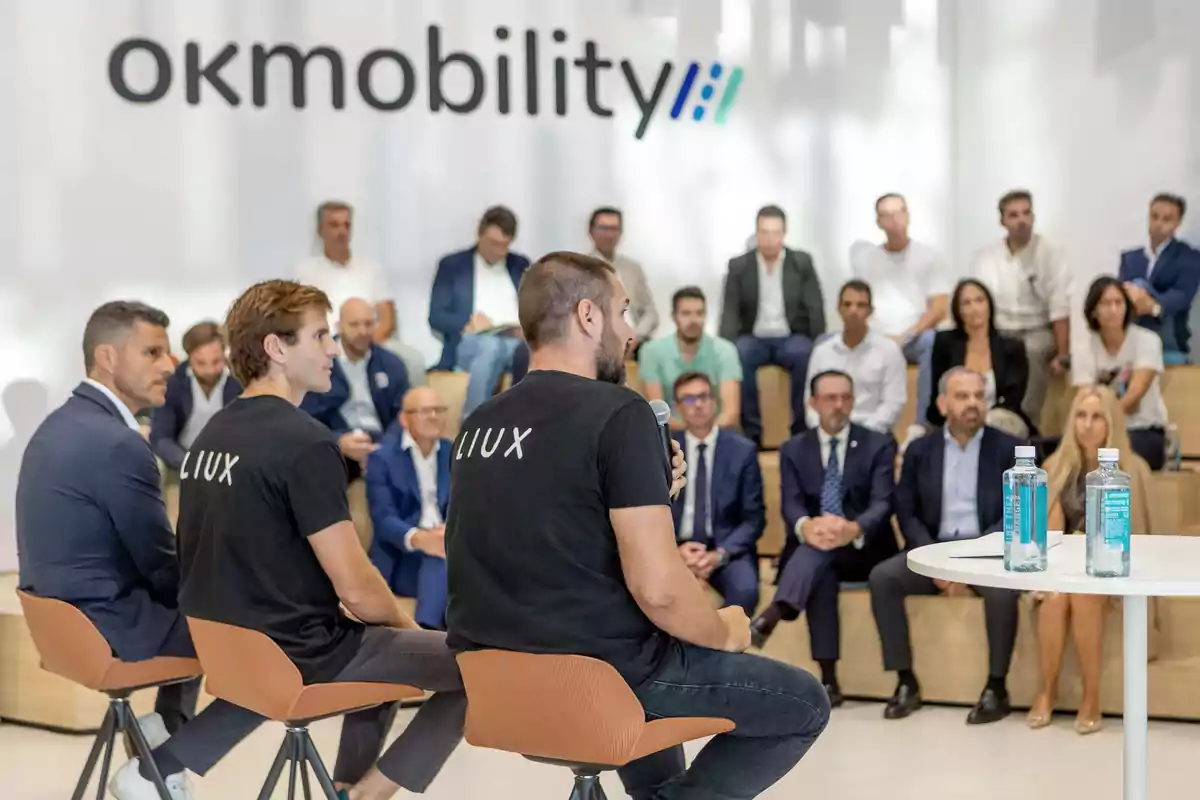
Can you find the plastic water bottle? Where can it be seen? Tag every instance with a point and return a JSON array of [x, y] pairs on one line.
[[1025, 514], [1108, 518]]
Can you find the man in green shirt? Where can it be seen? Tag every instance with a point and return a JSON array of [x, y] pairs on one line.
[[690, 349]]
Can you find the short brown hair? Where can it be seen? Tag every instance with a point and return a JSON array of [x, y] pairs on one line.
[[200, 334], [271, 307], [553, 288], [332, 205], [1012, 197], [502, 217], [113, 320]]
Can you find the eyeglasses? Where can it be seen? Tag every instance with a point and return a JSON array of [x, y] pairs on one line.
[[692, 399], [427, 411]]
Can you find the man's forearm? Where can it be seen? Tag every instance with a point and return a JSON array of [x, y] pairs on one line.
[[1062, 337], [376, 605], [681, 609]]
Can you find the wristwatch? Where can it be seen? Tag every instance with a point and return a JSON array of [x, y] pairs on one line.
[[722, 557]]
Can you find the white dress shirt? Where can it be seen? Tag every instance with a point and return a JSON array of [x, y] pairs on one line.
[[880, 376], [1152, 255], [123, 409], [427, 481], [359, 277], [359, 409], [1031, 288], [771, 320], [691, 445], [495, 295], [204, 408], [826, 441]]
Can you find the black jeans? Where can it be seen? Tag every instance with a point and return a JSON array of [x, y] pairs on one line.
[[779, 710]]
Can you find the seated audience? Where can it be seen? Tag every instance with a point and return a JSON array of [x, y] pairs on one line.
[[272, 548], [200, 387], [975, 343], [911, 281], [605, 228], [367, 386], [950, 488], [473, 307], [837, 486], [1161, 278], [1030, 281], [719, 515], [690, 349], [773, 311], [1095, 421], [92, 531], [1128, 359], [873, 362], [408, 487], [342, 275]]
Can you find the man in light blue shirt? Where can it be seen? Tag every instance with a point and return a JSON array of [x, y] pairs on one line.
[[960, 506]]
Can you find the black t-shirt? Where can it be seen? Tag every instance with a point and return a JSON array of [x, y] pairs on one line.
[[532, 557], [260, 478]]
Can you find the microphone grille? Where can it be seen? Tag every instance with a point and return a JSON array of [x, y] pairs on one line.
[[662, 411]]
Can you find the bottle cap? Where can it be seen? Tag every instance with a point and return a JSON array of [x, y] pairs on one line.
[[1108, 454], [1026, 451]]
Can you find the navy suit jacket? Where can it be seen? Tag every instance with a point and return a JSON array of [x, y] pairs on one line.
[[919, 493], [167, 421], [92, 529], [868, 488], [389, 383], [736, 494], [1173, 284], [394, 500], [453, 298]]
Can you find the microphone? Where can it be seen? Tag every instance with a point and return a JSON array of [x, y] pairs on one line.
[[662, 413]]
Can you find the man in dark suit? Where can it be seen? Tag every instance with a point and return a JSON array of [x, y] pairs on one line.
[[1161, 279], [367, 386], [719, 515], [837, 489], [773, 311], [950, 488], [473, 308], [408, 491], [200, 387]]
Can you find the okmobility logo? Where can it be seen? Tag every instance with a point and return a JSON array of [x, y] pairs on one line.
[[212, 73]]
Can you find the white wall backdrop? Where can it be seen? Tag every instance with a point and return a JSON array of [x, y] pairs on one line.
[[952, 102]]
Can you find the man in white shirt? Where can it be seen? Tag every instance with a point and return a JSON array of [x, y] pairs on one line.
[[604, 228], [473, 307], [408, 492], [341, 275], [872, 360], [912, 283], [1030, 285]]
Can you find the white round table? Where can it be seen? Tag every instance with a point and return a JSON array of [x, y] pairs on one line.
[[1160, 566]]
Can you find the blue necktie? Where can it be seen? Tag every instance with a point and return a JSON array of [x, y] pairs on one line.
[[831, 489], [700, 491]]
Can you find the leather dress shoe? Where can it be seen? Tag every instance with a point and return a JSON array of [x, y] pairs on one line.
[[905, 701], [993, 706], [760, 631], [835, 695]]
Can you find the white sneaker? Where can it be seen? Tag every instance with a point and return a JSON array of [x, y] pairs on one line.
[[154, 729], [128, 784]]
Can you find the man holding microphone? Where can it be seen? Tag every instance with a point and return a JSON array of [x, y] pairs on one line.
[[583, 560]]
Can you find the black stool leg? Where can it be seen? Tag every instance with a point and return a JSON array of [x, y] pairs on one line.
[[134, 733], [587, 787], [301, 756], [294, 761], [276, 768], [318, 767], [103, 735], [116, 711]]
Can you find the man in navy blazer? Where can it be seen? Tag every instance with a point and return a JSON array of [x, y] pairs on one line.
[[1161, 279], [837, 486], [473, 307], [950, 488], [720, 514], [408, 491], [367, 386], [200, 387]]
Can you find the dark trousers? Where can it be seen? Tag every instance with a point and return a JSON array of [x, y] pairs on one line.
[[791, 353], [779, 711], [176, 704], [810, 582], [431, 592], [737, 582], [892, 581]]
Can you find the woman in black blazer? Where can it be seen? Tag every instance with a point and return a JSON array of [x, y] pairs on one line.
[[975, 343]]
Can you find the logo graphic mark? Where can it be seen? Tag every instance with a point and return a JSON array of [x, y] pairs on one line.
[[707, 92]]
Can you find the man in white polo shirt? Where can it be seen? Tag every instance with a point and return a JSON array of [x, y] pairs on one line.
[[341, 275]]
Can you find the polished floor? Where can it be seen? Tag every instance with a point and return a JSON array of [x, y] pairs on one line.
[[860, 757]]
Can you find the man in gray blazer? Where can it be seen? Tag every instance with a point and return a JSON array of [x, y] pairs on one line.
[[773, 311]]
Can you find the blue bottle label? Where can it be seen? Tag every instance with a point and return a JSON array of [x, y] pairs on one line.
[[1029, 515], [1008, 511], [1114, 514]]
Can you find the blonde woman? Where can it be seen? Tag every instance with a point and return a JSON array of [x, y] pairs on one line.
[[1096, 420]]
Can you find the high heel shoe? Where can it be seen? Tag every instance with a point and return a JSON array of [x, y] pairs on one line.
[[1084, 726], [1038, 719]]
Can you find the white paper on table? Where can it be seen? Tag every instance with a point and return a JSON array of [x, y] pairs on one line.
[[992, 545]]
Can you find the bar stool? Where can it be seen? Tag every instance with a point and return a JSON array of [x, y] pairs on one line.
[[70, 646], [246, 668], [569, 711]]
